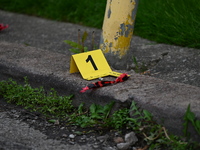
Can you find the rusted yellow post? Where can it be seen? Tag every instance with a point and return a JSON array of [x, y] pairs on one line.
[[117, 32]]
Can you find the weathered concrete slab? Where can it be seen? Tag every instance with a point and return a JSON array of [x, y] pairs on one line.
[[167, 62], [171, 63], [165, 100]]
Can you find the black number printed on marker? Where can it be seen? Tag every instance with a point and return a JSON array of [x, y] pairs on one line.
[[92, 62]]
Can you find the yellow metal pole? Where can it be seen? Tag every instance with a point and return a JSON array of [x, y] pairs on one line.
[[117, 31]]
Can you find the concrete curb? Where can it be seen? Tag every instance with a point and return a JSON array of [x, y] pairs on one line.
[[165, 100]]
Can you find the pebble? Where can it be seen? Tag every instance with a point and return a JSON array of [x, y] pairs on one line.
[[118, 140], [103, 138], [57, 122], [83, 139], [131, 138], [95, 146], [123, 146], [117, 134], [36, 117], [62, 128], [71, 142], [71, 136], [64, 135]]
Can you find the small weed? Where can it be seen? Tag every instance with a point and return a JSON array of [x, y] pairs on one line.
[[189, 117], [136, 64], [97, 114], [79, 47], [76, 48], [139, 68], [119, 119], [100, 112]]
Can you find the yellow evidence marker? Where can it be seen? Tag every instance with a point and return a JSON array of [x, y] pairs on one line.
[[91, 65]]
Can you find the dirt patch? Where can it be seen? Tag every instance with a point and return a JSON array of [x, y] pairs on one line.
[[96, 137]]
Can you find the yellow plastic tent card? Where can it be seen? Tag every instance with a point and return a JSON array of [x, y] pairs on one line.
[[91, 65]]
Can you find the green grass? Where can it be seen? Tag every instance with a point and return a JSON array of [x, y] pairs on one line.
[[170, 21], [165, 21], [36, 99], [55, 107], [87, 12]]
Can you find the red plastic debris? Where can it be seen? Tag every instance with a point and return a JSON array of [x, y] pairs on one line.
[[2, 26], [123, 77]]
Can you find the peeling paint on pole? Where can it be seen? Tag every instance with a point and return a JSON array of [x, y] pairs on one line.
[[118, 28]]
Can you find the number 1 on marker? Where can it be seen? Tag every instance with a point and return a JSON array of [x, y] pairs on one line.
[[92, 62]]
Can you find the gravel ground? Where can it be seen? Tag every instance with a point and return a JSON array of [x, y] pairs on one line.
[[21, 129]]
